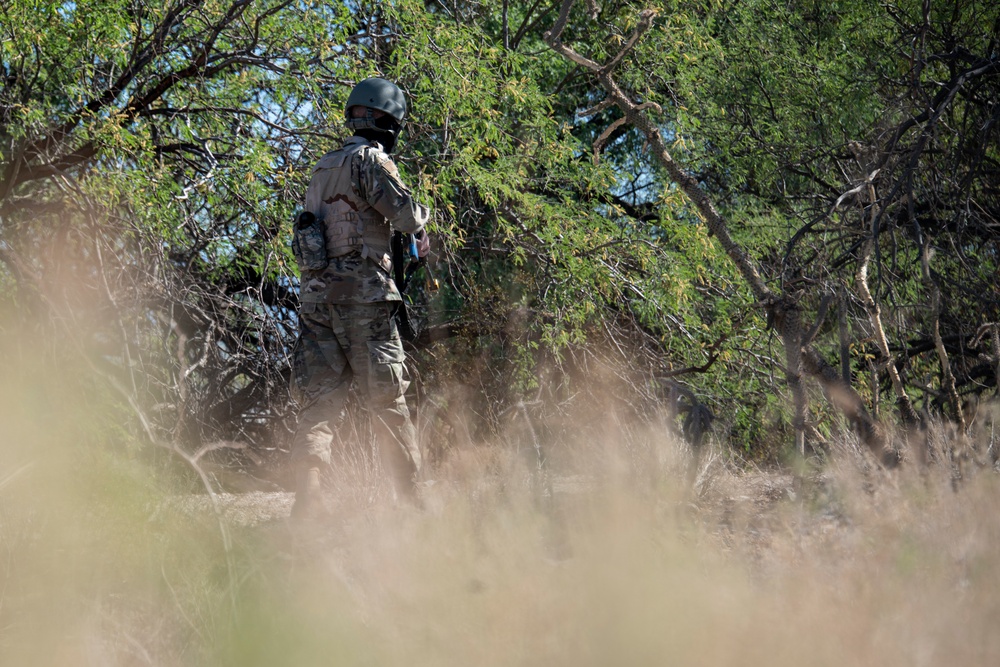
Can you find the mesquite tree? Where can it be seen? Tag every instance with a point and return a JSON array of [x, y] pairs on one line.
[[902, 179], [661, 188]]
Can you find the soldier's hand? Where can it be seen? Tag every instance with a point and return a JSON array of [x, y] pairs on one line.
[[423, 243]]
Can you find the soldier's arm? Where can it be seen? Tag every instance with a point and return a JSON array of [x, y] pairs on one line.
[[387, 194]]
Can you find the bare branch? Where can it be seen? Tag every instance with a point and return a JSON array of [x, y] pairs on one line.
[[645, 23]]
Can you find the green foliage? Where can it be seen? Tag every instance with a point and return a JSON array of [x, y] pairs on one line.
[[162, 149]]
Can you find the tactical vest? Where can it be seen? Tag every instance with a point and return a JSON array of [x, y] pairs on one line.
[[350, 222]]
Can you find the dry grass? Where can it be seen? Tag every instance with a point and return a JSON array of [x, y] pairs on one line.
[[635, 559]]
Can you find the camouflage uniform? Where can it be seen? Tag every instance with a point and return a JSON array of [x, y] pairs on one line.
[[346, 316]]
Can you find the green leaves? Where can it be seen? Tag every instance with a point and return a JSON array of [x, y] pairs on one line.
[[178, 138]]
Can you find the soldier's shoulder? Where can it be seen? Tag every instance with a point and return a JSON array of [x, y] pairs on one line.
[[372, 153], [332, 160], [375, 159], [339, 156]]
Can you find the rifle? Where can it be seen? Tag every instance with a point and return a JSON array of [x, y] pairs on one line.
[[403, 274]]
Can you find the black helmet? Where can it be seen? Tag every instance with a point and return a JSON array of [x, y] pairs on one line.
[[375, 93]]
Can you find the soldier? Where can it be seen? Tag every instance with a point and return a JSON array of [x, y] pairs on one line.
[[347, 328]]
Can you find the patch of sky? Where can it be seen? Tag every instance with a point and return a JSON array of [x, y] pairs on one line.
[[66, 10]]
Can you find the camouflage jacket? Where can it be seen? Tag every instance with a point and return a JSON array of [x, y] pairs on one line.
[[357, 192]]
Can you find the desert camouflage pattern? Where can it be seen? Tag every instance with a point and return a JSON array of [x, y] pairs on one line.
[[347, 329], [344, 342], [357, 192]]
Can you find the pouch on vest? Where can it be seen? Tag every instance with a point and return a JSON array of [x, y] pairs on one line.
[[309, 242]]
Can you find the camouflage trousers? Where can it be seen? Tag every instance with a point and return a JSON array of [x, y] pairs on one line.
[[359, 342]]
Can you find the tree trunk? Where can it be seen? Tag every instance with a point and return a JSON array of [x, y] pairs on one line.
[[906, 411], [782, 313], [947, 378]]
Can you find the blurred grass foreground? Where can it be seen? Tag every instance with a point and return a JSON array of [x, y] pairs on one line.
[[638, 564]]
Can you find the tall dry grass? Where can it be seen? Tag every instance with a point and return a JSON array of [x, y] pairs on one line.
[[634, 559]]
